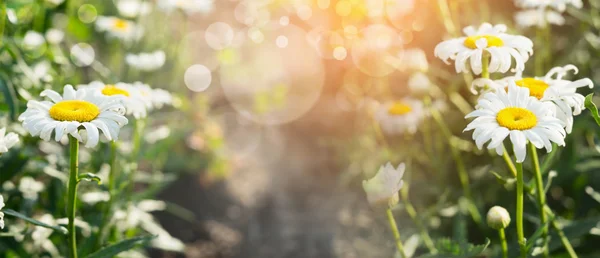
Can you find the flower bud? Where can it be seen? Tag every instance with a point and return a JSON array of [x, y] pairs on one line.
[[498, 218]]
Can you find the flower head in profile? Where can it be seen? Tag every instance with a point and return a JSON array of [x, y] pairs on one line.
[[133, 8], [118, 28], [153, 98], [188, 6], [414, 59], [559, 5], [400, 116], [7, 141], [540, 18], [79, 109], [384, 186], [515, 114], [146, 61], [130, 96], [468, 52], [498, 218], [1, 213], [551, 88]]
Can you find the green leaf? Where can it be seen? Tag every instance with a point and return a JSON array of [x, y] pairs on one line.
[[90, 177], [10, 97], [451, 249], [589, 104], [114, 249], [33, 221]]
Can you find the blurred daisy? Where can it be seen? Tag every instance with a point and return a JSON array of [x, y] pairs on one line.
[[540, 18], [153, 98], [188, 6], [55, 36], [65, 114], [54, 2], [419, 83], [92, 198], [384, 186], [514, 113], [559, 5], [1, 213], [146, 61], [41, 236], [30, 188], [130, 96], [7, 141], [414, 59], [133, 8], [118, 28], [551, 88], [501, 47], [400, 116], [33, 40]]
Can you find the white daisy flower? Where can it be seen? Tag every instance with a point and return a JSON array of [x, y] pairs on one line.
[[133, 8], [92, 198], [384, 186], [7, 141], [146, 61], [153, 98], [188, 6], [130, 96], [414, 59], [559, 5], [66, 114], [551, 88], [419, 83], [514, 113], [33, 40], [539, 18], [400, 116], [1, 213], [30, 188], [55, 36], [119, 28], [501, 47]]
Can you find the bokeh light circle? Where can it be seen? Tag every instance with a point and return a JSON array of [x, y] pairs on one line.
[[87, 13], [82, 54], [376, 52], [272, 85], [197, 78], [219, 35]]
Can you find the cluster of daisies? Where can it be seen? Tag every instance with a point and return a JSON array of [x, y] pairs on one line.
[[533, 109], [541, 13]]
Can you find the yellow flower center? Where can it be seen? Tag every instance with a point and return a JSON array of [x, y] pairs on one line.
[[110, 90], [515, 118], [536, 87], [74, 110], [492, 41], [399, 108], [120, 24]]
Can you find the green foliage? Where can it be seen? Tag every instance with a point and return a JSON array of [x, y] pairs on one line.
[[122, 246], [449, 248]]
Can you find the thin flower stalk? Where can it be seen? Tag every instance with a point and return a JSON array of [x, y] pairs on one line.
[[541, 196], [412, 212], [394, 228], [72, 195], [520, 234], [503, 243]]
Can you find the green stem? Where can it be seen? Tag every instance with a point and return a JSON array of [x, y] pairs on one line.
[[2, 19], [549, 159], [460, 167], [447, 18], [561, 234], [394, 228], [72, 194], [112, 190], [485, 62], [541, 196], [503, 242], [509, 163], [520, 234], [412, 212], [40, 18]]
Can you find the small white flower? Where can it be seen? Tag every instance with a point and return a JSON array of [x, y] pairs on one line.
[[539, 18], [1, 213], [414, 59], [133, 8], [41, 236], [54, 2], [188, 6], [33, 40], [551, 88], [498, 218], [55, 36], [157, 134], [400, 116], [559, 5], [153, 98], [501, 47], [65, 114], [95, 197], [119, 28], [516, 114], [147, 61], [30, 188], [384, 186], [7, 141], [419, 83], [130, 96]]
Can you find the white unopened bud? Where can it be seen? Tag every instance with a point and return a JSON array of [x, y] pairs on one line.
[[498, 218]]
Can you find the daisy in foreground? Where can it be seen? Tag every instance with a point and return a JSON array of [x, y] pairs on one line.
[[131, 97], [486, 40], [7, 140], [400, 116], [384, 186], [514, 113], [551, 88], [66, 114]]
